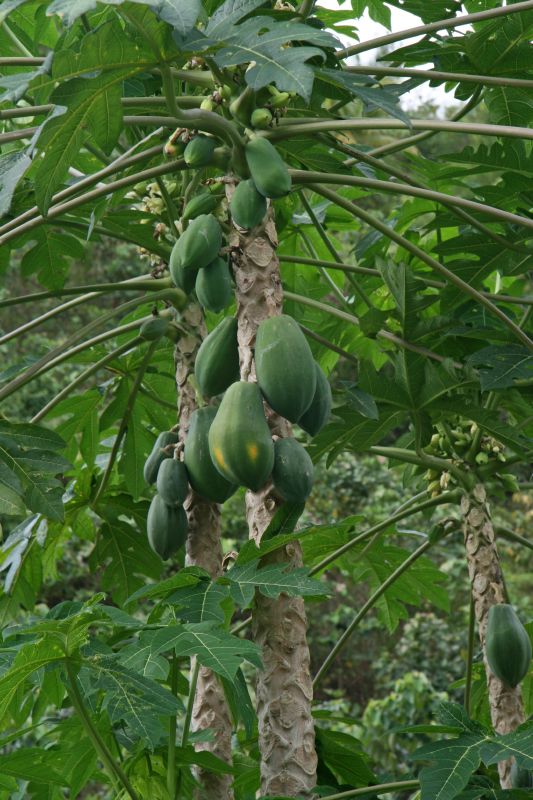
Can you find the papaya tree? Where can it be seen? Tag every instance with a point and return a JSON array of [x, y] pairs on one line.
[[288, 225]]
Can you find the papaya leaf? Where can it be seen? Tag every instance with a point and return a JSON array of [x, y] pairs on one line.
[[214, 648], [50, 256], [501, 367], [12, 168], [454, 761], [271, 580], [200, 603], [180, 14], [129, 697], [262, 40]]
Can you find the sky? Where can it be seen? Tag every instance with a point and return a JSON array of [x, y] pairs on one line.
[[368, 29]]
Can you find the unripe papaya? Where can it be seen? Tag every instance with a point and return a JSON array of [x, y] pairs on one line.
[[166, 527], [261, 118], [248, 207], [293, 471], [240, 442], [318, 413], [217, 360], [213, 286], [285, 366], [154, 328], [202, 203], [507, 645], [203, 477], [196, 248], [172, 482], [158, 455], [267, 168], [199, 151]]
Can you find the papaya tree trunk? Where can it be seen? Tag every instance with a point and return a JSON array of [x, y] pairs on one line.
[[203, 549], [488, 589], [284, 688]]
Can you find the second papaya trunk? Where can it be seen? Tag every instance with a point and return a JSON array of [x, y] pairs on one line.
[[203, 549], [488, 589], [284, 686]]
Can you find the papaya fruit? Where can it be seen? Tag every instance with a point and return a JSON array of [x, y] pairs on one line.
[[285, 366], [261, 118], [157, 456], [293, 471], [203, 477], [267, 168], [202, 203], [199, 151], [166, 527], [318, 413], [217, 361], [154, 328], [196, 248], [247, 206], [172, 483], [213, 286], [240, 442], [507, 645]]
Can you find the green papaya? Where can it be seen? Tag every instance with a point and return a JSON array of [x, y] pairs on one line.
[[166, 527], [293, 471], [267, 168], [247, 206], [318, 413], [507, 645], [202, 203], [154, 328], [285, 366], [217, 360], [158, 455], [199, 151], [213, 286], [203, 477], [261, 118], [196, 248], [172, 482], [240, 442]]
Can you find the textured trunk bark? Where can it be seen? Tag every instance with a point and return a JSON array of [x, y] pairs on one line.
[[203, 549], [284, 687], [488, 589]]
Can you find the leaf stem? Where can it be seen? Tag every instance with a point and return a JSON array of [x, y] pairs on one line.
[[423, 30], [13, 136], [141, 284], [437, 75], [172, 777], [308, 177], [124, 421], [372, 600], [433, 263], [67, 390], [382, 788], [503, 298], [190, 703], [432, 502], [470, 656], [62, 353], [316, 125], [333, 347], [114, 770], [344, 315]]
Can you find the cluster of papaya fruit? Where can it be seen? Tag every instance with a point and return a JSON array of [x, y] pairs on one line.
[[196, 262], [167, 520], [231, 445], [239, 439]]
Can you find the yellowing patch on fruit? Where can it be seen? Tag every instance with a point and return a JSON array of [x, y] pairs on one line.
[[219, 457], [252, 450]]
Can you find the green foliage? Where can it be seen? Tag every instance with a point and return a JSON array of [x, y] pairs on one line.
[[412, 287]]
